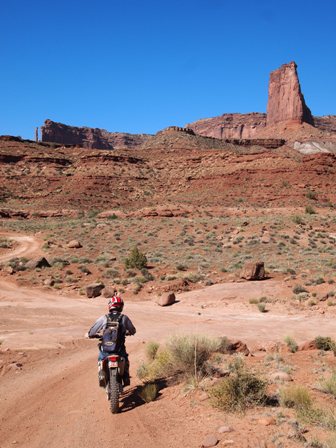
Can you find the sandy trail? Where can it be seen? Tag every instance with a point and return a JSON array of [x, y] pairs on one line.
[[56, 401], [27, 245]]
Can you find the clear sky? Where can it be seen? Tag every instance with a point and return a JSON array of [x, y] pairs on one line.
[[139, 66]]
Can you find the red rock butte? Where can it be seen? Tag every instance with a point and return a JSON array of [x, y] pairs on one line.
[[285, 100]]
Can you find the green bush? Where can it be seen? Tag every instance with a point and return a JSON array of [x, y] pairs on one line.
[[298, 289], [297, 220], [309, 210], [151, 350], [329, 385], [239, 391], [136, 259], [291, 344], [261, 307], [190, 353], [325, 343], [149, 392]]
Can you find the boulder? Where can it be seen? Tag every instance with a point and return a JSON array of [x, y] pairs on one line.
[[74, 244], [267, 421], [49, 282], [39, 262], [166, 299], [254, 271], [94, 290], [309, 345], [209, 441], [238, 347], [109, 292]]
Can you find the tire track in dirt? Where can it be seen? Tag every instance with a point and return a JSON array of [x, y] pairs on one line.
[[58, 403], [28, 245]]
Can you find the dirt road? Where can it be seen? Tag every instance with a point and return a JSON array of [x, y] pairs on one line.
[[54, 399]]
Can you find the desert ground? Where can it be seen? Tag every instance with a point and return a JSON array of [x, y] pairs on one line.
[[202, 217]]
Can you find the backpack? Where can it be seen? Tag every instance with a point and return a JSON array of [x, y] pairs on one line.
[[112, 333]]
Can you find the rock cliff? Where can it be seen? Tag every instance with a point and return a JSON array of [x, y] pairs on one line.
[[86, 137], [285, 100], [230, 126]]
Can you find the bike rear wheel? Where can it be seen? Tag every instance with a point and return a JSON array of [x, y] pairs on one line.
[[114, 392]]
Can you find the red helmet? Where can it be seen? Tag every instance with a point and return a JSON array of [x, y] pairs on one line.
[[116, 303]]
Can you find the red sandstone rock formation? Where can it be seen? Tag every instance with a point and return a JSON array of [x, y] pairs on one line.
[[89, 137], [285, 100], [230, 126]]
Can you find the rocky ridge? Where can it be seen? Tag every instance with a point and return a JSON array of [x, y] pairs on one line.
[[90, 138]]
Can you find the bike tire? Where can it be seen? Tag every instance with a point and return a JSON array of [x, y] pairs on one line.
[[114, 392]]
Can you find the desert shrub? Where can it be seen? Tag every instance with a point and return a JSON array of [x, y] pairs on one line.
[[161, 367], [5, 243], [85, 270], [190, 353], [329, 385], [298, 289], [151, 349], [137, 288], [291, 344], [18, 264], [223, 344], [295, 396], [136, 259], [241, 390], [261, 307], [181, 267], [309, 210], [318, 417], [297, 219], [59, 262], [147, 275], [149, 392], [254, 301], [325, 343], [311, 194], [194, 277]]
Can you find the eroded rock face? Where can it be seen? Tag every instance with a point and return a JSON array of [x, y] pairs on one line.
[[86, 137], [285, 100], [230, 126]]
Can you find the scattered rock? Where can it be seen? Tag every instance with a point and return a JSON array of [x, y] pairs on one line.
[[166, 299], [39, 262], [267, 421], [224, 429], [94, 290], [238, 347], [280, 376], [209, 441], [74, 244], [309, 345], [9, 270], [109, 292], [254, 271], [49, 282]]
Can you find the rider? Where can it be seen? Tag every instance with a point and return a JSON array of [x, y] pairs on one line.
[[115, 307]]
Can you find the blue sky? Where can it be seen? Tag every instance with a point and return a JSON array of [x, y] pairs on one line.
[[139, 66]]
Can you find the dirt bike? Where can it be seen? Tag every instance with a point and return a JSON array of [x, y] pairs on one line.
[[110, 374]]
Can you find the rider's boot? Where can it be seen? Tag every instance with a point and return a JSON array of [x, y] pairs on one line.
[[101, 374], [126, 377]]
